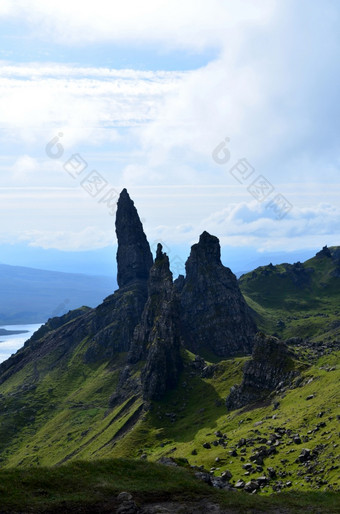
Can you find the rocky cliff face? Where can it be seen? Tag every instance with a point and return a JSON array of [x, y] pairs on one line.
[[158, 337], [156, 342], [60, 340], [271, 364], [215, 316], [113, 324]]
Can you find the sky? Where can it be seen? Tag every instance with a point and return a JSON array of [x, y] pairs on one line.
[[220, 116]]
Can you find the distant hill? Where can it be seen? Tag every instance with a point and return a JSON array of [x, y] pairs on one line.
[[30, 295], [301, 299]]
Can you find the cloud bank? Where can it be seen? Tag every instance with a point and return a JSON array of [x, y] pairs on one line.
[[271, 88]]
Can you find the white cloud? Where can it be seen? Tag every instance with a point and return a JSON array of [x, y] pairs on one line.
[[251, 224], [6, 7], [272, 93], [273, 89], [23, 167], [29, 172], [55, 217], [90, 238], [193, 24], [56, 70], [256, 225], [87, 104], [268, 90], [71, 220]]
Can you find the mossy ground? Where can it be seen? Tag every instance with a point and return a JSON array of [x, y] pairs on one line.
[[93, 487]]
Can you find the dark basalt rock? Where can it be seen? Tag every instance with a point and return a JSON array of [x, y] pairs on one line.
[[271, 365], [179, 283], [215, 315], [148, 315], [134, 258], [157, 338], [325, 252], [117, 317]]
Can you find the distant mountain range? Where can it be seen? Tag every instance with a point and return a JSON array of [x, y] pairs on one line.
[[30, 295]]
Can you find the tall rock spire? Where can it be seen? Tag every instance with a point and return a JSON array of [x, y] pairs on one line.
[[215, 316], [157, 339], [134, 258]]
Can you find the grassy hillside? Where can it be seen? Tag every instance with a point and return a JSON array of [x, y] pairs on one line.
[[57, 412], [54, 414], [93, 487], [297, 300]]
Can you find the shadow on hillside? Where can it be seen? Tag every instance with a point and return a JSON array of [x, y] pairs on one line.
[[191, 407]]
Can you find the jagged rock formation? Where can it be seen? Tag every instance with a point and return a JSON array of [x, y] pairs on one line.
[[215, 316], [157, 339], [146, 319], [325, 252], [271, 364], [134, 258], [299, 275], [81, 388]]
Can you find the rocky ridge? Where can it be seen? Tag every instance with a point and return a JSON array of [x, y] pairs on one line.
[[271, 365], [157, 339], [149, 317]]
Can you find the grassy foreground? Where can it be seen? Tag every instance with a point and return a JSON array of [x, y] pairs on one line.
[[93, 487]]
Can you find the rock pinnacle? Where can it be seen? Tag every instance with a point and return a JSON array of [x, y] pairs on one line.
[[134, 258]]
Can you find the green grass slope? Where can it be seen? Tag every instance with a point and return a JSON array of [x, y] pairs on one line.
[[65, 416], [55, 408], [297, 300], [92, 487]]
